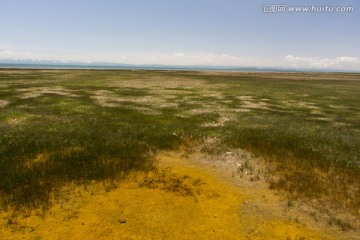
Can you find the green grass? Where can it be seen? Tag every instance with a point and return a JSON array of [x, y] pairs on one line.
[[61, 126]]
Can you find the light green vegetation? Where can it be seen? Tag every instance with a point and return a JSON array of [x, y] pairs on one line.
[[60, 126]]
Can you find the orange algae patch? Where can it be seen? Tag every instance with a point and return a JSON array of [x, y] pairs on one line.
[[181, 202]]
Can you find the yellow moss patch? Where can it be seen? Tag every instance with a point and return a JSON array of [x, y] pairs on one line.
[[40, 158], [185, 202]]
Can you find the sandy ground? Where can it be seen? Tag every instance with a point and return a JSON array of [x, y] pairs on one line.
[[188, 198]]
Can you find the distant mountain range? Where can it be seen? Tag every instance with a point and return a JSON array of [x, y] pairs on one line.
[[55, 64]]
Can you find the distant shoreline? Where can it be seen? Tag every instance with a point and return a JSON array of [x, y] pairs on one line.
[[159, 67]]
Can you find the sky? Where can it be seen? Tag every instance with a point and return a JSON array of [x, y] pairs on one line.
[[244, 33]]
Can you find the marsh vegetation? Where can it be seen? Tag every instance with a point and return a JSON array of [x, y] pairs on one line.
[[78, 126]]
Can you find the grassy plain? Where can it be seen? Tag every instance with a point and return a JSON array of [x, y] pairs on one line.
[[79, 126]]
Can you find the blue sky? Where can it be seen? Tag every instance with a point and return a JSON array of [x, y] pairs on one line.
[[182, 32]]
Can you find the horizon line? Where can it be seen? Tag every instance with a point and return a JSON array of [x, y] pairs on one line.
[[57, 64]]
